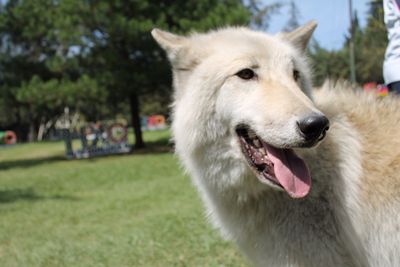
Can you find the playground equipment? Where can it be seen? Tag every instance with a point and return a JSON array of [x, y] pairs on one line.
[[8, 138], [98, 139], [154, 122]]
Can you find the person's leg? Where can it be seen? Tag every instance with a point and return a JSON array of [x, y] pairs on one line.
[[394, 88]]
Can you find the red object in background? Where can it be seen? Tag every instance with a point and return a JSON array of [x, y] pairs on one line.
[[10, 138], [156, 122], [382, 90], [371, 86]]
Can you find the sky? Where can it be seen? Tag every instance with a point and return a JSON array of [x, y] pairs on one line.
[[332, 17]]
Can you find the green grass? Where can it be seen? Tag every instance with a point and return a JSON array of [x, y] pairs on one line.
[[132, 210]]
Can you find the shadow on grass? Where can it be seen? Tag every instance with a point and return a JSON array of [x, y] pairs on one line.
[[159, 146], [26, 163], [27, 194], [163, 145]]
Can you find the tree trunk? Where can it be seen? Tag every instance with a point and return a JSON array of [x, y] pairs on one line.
[[32, 132], [32, 128], [135, 119]]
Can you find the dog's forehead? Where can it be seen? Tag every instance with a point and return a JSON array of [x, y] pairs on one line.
[[237, 42]]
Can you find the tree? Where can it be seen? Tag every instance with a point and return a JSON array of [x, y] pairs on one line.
[[46, 98], [262, 13], [370, 45], [36, 43], [374, 45], [294, 16], [50, 48], [122, 53]]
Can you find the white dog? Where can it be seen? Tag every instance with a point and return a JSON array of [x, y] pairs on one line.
[[272, 176]]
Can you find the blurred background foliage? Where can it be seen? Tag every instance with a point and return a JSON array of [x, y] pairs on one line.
[[98, 58], [370, 46]]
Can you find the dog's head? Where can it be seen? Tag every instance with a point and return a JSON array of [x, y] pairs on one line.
[[250, 87]]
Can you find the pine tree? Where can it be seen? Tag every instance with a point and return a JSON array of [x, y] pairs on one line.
[[294, 16]]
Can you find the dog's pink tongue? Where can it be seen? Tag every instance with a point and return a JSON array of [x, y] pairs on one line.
[[291, 171]]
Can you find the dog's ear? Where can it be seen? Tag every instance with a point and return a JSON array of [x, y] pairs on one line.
[[170, 42], [302, 35]]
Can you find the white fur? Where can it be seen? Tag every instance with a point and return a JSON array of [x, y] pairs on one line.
[[336, 224]]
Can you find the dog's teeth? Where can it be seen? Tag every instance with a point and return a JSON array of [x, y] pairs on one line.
[[257, 143], [251, 134]]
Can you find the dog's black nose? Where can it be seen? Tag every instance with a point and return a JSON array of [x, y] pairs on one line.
[[314, 127]]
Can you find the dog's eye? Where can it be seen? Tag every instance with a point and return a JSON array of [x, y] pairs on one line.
[[246, 74], [296, 75]]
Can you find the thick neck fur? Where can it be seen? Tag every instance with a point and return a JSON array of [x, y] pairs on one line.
[[235, 199]]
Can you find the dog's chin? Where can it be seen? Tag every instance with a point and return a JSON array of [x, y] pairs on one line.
[[279, 168]]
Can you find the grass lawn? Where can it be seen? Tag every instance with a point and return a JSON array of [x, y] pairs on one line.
[[133, 210]]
